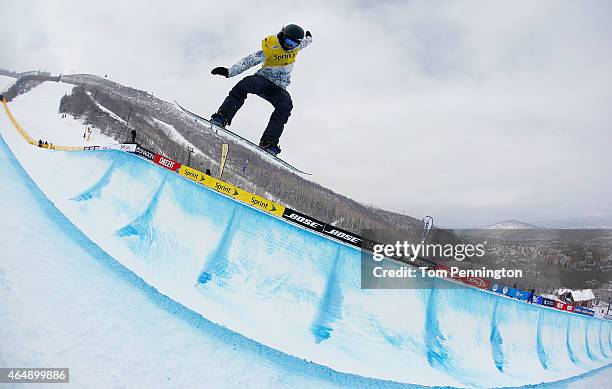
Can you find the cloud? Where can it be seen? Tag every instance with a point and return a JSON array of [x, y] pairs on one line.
[[471, 111]]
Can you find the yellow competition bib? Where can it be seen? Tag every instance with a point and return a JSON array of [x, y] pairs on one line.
[[274, 53]]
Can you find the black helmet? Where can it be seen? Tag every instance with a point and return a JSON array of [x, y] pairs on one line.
[[291, 31]]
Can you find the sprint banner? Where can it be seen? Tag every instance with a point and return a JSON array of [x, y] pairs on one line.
[[244, 196], [223, 187], [194, 175], [260, 202]]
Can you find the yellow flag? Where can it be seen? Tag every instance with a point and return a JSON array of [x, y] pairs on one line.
[[224, 151]]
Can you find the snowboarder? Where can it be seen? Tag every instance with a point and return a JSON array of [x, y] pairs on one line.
[[278, 53]]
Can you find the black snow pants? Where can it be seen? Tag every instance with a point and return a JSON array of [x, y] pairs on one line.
[[266, 89]]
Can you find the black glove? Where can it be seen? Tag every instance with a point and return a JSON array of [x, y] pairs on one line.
[[308, 34], [221, 71]]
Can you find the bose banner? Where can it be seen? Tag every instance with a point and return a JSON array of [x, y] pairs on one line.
[[343, 235], [303, 220]]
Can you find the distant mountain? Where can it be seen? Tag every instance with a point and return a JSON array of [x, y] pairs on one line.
[[586, 222], [510, 225]]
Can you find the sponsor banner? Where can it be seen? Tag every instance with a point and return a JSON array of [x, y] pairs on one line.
[[587, 311], [497, 288], [538, 300], [368, 244], [561, 306], [578, 310], [223, 187], [422, 262], [260, 202], [476, 282], [129, 147], [518, 294], [417, 262], [584, 311], [303, 220], [343, 235], [569, 307], [167, 163], [548, 302], [193, 174], [232, 191], [145, 153]]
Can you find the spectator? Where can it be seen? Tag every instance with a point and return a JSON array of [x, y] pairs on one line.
[[40, 143], [133, 136], [530, 299]]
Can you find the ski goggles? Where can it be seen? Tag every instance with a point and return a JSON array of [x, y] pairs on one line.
[[290, 43]]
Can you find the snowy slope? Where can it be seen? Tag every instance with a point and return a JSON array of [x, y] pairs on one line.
[[298, 292], [6, 82], [106, 110], [38, 112]]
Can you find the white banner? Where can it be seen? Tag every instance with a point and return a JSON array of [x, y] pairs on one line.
[[129, 147]]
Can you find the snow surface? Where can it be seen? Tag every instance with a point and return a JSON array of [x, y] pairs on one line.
[[269, 281], [38, 112], [104, 109], [6, 82], [66, 303]]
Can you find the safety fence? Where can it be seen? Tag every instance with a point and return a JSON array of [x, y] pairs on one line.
[[27, 136]]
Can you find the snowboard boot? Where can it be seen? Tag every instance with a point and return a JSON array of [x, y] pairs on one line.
[[270, 147], [218, 119]]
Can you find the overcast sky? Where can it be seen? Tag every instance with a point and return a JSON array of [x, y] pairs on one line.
[[473, 112]]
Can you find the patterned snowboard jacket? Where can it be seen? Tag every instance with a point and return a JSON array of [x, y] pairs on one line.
[[277, 63]]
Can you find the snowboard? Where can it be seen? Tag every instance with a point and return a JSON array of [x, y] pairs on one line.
[[247, 142]]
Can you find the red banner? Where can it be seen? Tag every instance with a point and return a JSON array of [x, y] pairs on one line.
[[476, 282], [167, 163], [561, 306]]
